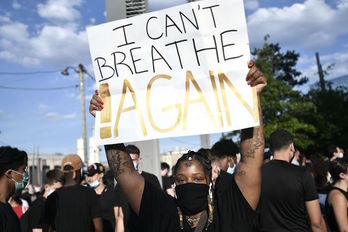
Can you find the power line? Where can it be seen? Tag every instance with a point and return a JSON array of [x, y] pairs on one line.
[[92, 77], [39, 89], [29, 73]]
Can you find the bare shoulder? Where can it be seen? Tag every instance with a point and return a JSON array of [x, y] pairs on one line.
[[336, 197]]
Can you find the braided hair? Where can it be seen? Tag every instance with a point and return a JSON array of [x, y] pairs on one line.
[[202, 159], [11, 158]]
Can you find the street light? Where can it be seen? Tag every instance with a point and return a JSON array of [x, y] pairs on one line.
[[81, 70]]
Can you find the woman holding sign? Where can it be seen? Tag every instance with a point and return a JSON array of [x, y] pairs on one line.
[[197, 207]]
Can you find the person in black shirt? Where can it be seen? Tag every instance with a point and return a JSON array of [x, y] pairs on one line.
[[134, 153], [103, 185], [73, 207], [336, 205], [288, 192], [167, 181], [33, 218], [232, 208], [225, 152], [13, 177]]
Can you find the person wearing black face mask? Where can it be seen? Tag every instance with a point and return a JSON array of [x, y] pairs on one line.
[[13, 178], [230, 207]]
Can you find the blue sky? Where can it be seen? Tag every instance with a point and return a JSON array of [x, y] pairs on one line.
[[38, 36]]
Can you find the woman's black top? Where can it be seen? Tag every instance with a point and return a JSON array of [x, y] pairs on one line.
[[158, 210], [329, 211]]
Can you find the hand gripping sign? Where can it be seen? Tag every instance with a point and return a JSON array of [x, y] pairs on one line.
[[175, 72]]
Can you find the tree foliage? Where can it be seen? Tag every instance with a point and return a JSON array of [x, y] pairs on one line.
[[282, 105], [316, 119], [329, 116]]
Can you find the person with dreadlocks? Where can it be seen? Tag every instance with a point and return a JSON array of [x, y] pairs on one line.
[[13, 178], [197, 207]]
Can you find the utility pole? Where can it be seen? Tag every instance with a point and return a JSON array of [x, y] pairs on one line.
[[81, 70], [83, 112], [320, 72]]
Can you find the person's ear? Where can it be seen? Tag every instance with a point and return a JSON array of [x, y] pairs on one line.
[[342, 175], [8, 173], [46, 186]]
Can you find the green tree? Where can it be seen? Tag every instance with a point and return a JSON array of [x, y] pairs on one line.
[[282, 105], [316, 119], [329, 116]]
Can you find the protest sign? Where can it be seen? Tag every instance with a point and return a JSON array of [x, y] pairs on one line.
[[175, 72]]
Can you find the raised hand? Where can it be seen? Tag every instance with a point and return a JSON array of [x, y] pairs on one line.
[[96, 104]]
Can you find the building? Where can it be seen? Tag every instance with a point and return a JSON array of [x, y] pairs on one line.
[[94, 151], [172, 156], [121, 9], [136, 7], [38, 165]]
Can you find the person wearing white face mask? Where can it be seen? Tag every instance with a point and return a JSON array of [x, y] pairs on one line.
[[103, 185], [334, 152], [95, 174], [225, 152], [33, 218]]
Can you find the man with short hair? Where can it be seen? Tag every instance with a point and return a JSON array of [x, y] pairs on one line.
[[288, 192], [32, 220], [73, 207], [167, 181], [13, 178], [225, 152], [334, 152], [134, 153]]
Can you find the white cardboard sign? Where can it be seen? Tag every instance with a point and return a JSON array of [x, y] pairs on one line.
[[175, 72]]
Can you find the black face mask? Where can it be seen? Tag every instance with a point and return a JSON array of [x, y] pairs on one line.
[[192, 198]]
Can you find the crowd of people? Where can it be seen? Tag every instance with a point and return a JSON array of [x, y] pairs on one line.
[[229, 187]]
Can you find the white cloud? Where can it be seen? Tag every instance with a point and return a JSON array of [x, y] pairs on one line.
[[52, 44], [42, 106], [4, 19], [92, 20], [57, 116], [342, 4], [312, 24], [308, 67], [16, 5], [251, 4], [59, 11]]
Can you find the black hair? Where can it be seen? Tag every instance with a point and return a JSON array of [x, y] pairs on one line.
[[11, 158], [202, 160], [108, 179], [53, 176], [319, 169], [336, 167], [224, 147], [331, 149], [164, 165], [132, 149], [279, 140]]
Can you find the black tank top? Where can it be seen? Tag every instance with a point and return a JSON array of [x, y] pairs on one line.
[[329, 211]]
